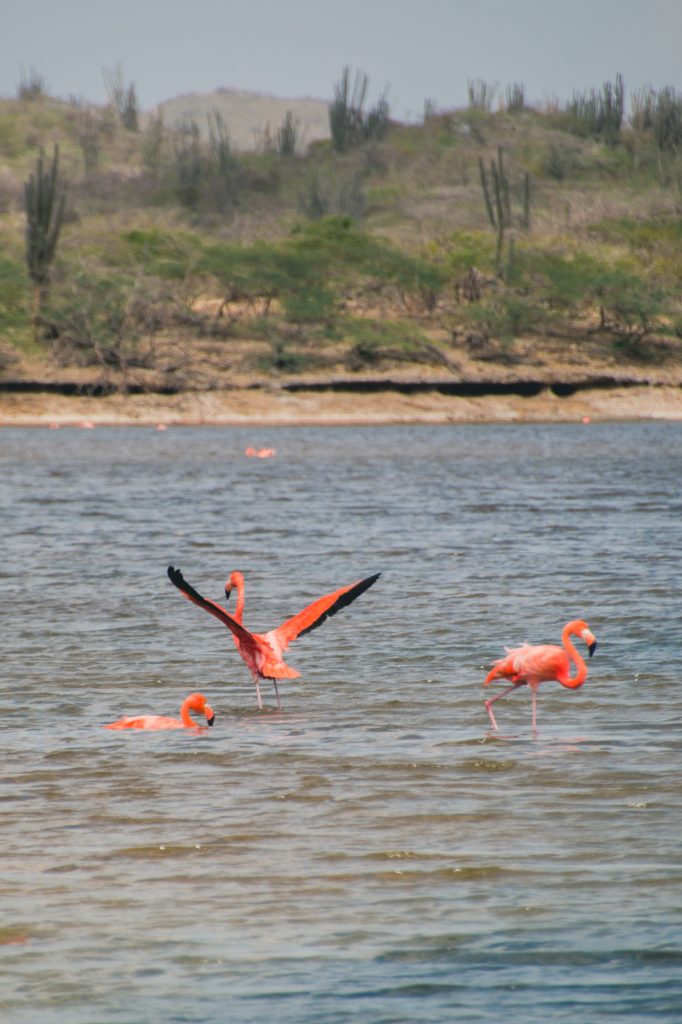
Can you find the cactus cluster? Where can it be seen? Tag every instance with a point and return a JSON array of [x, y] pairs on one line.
[[496, 195], [600, 113], [350, 125]]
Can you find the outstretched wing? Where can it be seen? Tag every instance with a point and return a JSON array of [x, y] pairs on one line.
[[242, 634], [319, 611]]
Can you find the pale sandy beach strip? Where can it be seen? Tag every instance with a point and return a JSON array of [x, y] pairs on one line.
[[249, 407]]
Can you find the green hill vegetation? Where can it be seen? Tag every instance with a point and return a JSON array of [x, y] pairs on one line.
[[479, 237]]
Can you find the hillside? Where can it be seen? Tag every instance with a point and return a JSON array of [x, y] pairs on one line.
[[512, 249], [248, 115]]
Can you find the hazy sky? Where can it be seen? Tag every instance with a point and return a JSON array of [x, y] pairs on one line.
[[419, 49]]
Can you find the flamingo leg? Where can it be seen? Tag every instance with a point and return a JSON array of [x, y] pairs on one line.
[[535, 728], [260, 702], [492, 717], [514, 686], [279, 703]]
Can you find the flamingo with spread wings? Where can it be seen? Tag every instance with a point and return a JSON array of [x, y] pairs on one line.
[[533, 664], [263, 652]]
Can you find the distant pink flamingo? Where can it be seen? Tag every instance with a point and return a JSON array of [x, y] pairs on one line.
[[260, 453], [263, 652], [534, 664], [195, 702]]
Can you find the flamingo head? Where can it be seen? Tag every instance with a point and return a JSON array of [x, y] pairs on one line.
[[197, 702], [235, 580], [582, 630]]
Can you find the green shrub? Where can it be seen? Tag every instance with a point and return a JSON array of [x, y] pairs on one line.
[[631, 307], [262, 270], [376, 342], [641, 234], [467, 249], [105, 319], [504, 316], [310, 302], [564, 282], [265, 271], [14, 294], [338, 246], [170, 255], [308, 271], [88, 318], [656, 245], [377, 333], [11, 138]]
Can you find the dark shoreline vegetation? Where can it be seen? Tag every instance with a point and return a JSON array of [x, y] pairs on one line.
[[474, 244]]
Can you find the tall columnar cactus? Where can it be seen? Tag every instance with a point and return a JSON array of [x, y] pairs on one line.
[[496, 196], [498, 211], [44, 201], [525, 218]]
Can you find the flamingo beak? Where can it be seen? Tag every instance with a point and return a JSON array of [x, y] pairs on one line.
[[210, 715], [228, 591], [589, 639]]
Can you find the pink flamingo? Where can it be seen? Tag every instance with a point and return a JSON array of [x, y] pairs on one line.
[[533, 664], [195, 702], [260, 453], [263, 652]]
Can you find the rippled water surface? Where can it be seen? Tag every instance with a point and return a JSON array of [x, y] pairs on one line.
[[371, 852]]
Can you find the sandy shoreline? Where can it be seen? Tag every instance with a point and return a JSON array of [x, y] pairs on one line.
[[246, 407]]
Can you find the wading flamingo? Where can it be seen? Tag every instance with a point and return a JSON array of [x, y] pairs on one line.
[[533, 664], [195, 702], [263, 652]]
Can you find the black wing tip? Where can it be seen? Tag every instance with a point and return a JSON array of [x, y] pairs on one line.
[[347, 598], [353, 592], [178, 580], [362, 586]]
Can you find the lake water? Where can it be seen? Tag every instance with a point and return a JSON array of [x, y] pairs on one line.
[[370, 853]]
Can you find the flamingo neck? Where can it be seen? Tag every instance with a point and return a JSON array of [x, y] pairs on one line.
[[238, 581], [573, 682], [185, 717]]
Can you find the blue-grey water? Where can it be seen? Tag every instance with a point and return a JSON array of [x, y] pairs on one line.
[[371, 853]]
